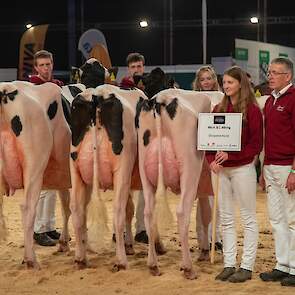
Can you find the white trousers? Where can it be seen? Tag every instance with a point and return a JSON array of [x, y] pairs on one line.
[[281, 210], [139, 224], [45, 212], [238, 184]]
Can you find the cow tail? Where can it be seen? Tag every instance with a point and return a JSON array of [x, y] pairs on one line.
[[3, 230], [97, 213], [163, 213]]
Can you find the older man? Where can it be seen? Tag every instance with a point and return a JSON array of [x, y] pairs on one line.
[[279, 169]]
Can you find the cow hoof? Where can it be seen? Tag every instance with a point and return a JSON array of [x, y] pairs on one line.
[[189, 273], [81, 264], [32, 264], [204, 256], [63, 247], [154, 270], [129, 250], [117, 267], [160, 250]]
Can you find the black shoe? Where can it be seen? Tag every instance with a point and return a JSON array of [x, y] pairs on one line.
[[54, 235], [273, 276], [226, 273], [288, 281], [242, 275], [218, 246], [142, 237], [44, 240], [114, 237]]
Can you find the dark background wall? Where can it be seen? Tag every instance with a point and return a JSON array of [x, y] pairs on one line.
[[118, 20]]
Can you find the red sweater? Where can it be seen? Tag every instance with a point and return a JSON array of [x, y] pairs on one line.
[[127, 83], [38, 81], [280, 129], [251, 141]]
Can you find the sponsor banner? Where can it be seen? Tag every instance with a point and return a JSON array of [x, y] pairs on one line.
[[263, 64], [32, 41], [89, 39], [101, 54]]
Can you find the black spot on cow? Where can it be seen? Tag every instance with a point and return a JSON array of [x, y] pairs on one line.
[[82, 114], [143, 105], [74, 156], [111, 118], [66, 107], [52, 110], [146, 137], [16, 125], [74, 90], [93, 74], [171, 108], [4, 96], [158, 107], [12, 95]]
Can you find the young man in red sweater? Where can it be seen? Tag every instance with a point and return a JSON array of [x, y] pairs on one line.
[[45, 233]]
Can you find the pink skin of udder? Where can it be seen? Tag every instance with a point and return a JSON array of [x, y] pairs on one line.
[[170, 164]]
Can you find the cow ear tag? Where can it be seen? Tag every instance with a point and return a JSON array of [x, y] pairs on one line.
[[140, 84], [112, 77]]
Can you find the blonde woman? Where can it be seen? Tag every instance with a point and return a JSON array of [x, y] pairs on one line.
[[206, 80]]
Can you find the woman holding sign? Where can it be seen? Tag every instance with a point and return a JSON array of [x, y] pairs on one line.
[[237, 176]]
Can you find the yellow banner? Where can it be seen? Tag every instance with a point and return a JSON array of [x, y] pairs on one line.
[[101, 54], [32, 41]]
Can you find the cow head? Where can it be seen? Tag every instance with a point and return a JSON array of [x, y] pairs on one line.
[[93, 73], [154, 82]]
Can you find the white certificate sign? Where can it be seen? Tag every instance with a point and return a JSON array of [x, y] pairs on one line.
[[219, 131]]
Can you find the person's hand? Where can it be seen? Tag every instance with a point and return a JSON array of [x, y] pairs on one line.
[[221, 157], [215, 167], [290, 185]]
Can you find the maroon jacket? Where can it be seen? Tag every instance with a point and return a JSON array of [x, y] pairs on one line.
[[127, 83], [38, 81], [280, 129], [251, 141]]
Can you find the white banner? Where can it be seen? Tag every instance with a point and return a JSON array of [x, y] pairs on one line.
[[219, 131], [89, 39]]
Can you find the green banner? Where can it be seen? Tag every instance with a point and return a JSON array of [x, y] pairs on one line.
[[263, 65], [241, 53], [283, 55], [263, 57]]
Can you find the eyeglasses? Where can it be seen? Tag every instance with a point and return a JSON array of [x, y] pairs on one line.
[[274, 73]]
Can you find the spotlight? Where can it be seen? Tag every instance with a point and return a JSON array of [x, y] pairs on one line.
[[254, 20], [143, 23]]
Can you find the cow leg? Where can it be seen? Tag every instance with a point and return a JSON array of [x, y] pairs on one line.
[[64, 196], [152, 229], [119, 209], [129, 216], [28, 209], [205, 212], [79, 198], [183, 211]]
